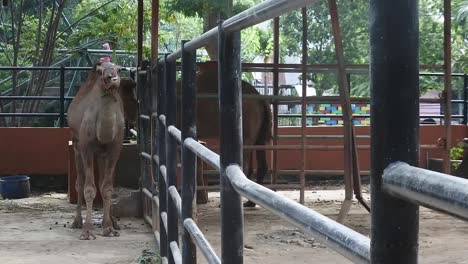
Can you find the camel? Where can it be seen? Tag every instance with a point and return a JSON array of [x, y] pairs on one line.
[[256, 119], [96, 117]]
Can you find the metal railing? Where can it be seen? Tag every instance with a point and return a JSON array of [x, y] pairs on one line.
[[161, 189], [61, 98]]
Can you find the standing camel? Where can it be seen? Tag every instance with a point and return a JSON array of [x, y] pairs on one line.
[[257, 120], [97, 121]]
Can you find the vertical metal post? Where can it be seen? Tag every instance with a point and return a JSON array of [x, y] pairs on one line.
[[274, 174], [189, 160], [348, 79], [141, 134], [447, 85], [145, 109], [394, 125], [164, 245], [230, 106], [154, 31], [465, 99], [303, 105], [171, 154], [62, 95], [140, 34]]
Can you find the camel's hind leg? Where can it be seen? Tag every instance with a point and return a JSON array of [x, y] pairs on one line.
[[248, 167], [78, 221], [106, 163], [89, 193]]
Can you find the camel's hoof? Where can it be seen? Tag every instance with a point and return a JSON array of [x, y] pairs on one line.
[[115, 224], [249, 204], [77, 223], [87, 233], [109, 232]]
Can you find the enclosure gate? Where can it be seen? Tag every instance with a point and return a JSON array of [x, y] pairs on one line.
[[394, 49]]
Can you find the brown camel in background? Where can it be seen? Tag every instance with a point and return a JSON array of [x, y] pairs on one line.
[[256, 119], [97, 120]]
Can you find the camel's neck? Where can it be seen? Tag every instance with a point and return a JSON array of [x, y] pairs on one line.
[[110, 118]]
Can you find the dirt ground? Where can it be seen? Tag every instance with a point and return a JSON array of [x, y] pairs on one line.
[[37, 230]]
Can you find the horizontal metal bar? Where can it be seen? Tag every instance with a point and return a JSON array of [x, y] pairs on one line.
[[162, 118], [252, 16], [297, 147], [144, 117], [32, 114], [40, 68], [340, 238], [163, 171], [134, 132], [269, 186], [286, 99], [175, 252], [173, 131], [201, 242], [164, 220], [203, 152], [307, 172], [147, 193], [176, 198], [156, 159], [319, 115], [355, 116], [431, 189], [441, 74], [149, 220], [286, 137], [145, 155], [20, 97]]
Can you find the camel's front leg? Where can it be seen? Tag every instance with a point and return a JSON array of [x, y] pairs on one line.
[[106, 163], [78, 221], [89, 193]]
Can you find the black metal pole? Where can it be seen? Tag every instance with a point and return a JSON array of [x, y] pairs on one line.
[[230, 104], [394, 125], [189, 160], [144, 128], [62, 96], [140, 12], [164, 245], [465, 99], [171, 154]]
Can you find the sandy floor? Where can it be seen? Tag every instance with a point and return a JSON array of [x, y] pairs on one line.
[[269, 239], [37, 230]]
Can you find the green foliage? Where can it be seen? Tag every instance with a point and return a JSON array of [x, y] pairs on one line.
[[148, 257], [201, 8]]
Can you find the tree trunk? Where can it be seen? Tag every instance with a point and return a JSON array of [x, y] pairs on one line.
[[210, 21], [47, 53]]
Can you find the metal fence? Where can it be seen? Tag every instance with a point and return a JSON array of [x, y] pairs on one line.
[[396, 192], [61, 98], [173, 207]]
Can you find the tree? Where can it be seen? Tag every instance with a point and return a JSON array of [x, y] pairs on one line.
[[211, 11], [354, 29], [25, 43]]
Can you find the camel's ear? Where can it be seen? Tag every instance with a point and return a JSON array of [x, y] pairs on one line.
[[99, 68]]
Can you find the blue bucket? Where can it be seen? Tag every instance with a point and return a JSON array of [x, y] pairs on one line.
[[14, 187]]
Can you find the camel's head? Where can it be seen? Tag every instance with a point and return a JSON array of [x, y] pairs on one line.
[[109, 74]]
